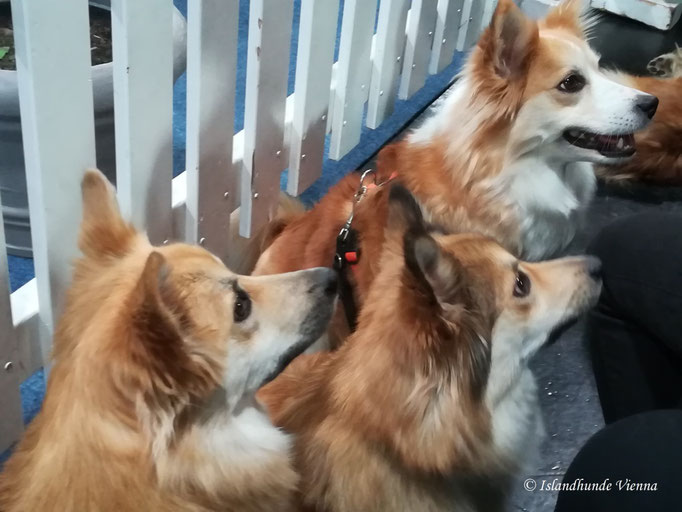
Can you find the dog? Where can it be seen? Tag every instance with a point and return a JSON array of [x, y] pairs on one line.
[[509, 152], [430, 404], [150, 402], [659, 153]]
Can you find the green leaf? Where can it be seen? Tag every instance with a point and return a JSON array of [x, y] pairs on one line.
[[3, 51]]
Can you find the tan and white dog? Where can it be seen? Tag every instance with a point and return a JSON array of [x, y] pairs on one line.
[[509, 152], [430, 405], [157, 358]]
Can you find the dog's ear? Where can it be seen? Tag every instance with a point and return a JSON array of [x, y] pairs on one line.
[[439, 272], [510, 40], [103, 231], [159, 319], [404, 213], [569, 16]]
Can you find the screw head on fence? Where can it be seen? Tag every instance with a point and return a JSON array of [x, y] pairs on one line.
[[255, 196], [202, 241], [9, 366], [226, 195]]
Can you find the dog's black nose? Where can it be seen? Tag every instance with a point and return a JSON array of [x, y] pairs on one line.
[[332, 285], [647, 104], [594, 268]]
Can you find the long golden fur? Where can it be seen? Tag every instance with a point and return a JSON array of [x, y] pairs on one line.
[[156, 360], [428, 406]]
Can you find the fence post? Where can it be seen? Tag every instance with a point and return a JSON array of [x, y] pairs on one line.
[[211, 65], [353, 75], [267, 71], [388, 54], [421, 25], [315, 56], [11, 424], [143, 103], [55, 96]]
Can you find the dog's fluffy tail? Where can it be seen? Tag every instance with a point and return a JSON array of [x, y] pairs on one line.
[[244, 252]]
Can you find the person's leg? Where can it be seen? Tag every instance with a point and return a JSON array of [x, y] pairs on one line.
[[635, 331], [638, 456]]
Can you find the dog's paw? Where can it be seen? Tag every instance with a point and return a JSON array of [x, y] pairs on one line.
[[667, 65]]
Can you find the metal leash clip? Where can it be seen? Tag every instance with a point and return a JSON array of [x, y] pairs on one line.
[[357, 197]]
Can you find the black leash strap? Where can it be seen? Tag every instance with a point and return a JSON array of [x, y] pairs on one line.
[[347, 253]]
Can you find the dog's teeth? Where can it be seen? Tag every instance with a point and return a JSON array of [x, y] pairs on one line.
[[575, 133], [621, 143]]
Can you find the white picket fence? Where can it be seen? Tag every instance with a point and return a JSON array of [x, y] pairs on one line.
[[224, 170]]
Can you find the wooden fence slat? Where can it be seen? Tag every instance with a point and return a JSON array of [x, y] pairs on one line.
[[445, 37], [490, 6], [317, 31], [211, 65], [420, 28], [143, 102], [464, 23], [475, 22], [352, 75], [388, 54], [11, 424], [267, 69], [56, 102]]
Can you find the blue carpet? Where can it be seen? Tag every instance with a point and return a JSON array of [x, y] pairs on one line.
[[21, 269]]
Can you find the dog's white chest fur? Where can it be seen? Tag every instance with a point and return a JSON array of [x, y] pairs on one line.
[[517, 422], [550, 202]]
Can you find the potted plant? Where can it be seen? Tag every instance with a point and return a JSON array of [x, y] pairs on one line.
[[12, 172]]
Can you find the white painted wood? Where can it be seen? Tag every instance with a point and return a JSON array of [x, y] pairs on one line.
[[267, 68], [389, 48], [11, 424], [26, 322], [143, 102], [661, 14], [488, 12], [352, 75], [537, 8], [446, 33], [421, 25], [477, 15], [211, 180], [59, 139], [315, 56], [464, 24]]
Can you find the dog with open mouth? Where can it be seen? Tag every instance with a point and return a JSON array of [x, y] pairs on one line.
[[509, 152], [150, 403], [430, 404]]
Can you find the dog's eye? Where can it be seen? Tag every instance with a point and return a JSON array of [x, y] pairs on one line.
[[522, 285], [242, 306], [572, 83]]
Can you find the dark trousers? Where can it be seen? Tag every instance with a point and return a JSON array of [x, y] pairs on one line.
[[639, 456], [635, 336], [635, 332]]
